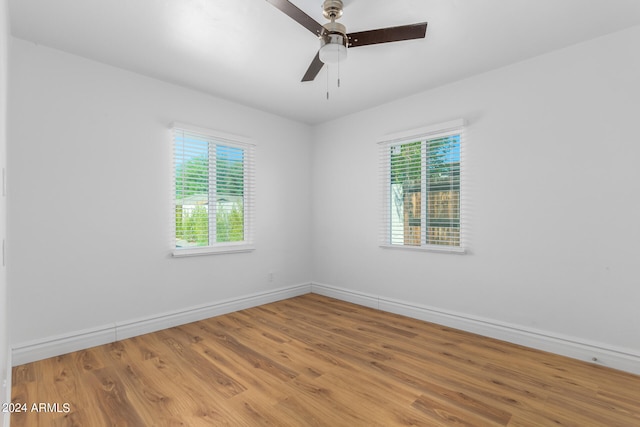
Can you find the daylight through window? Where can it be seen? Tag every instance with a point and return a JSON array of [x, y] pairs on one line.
[[213, 192], [421, 190]]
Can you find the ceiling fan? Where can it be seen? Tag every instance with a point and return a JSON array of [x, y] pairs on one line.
[[334, 39]]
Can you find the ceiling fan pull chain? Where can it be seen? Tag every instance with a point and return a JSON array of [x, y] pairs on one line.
[[327, 82]]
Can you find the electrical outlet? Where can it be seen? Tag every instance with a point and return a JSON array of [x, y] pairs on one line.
[[270, 277]]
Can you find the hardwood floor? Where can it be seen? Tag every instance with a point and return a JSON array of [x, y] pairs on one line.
[[316, 361]]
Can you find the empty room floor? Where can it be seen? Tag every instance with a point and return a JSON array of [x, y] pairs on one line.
[[317, 361]]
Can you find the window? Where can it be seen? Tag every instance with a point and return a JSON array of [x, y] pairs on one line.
[[421, 177], [213, 192]]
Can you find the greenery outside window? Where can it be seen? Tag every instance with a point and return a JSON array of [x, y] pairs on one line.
[[421, 182], [213, 178]]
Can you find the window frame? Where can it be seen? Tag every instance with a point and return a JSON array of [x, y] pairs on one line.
[[424, 134], [215, 139]]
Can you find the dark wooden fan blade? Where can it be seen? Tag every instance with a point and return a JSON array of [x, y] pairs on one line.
[[297, 15], [314, 69], [386, 35]]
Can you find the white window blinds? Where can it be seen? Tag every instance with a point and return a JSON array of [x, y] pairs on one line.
[[213, 192], [421, 180]]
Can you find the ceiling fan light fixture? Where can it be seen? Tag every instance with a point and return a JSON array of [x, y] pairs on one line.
[[333, 43], [333, 49]]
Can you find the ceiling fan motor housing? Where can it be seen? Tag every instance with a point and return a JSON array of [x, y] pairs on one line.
[[335, 33], [335, 28]]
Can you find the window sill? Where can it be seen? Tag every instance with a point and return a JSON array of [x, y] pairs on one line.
[[212, 250], [428, 248]]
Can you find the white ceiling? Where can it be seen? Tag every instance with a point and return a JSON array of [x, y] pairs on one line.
[[250, 52]]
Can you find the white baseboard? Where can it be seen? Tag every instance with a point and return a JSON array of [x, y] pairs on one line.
[[617, 358], [83, 339], [142, 326], [355, 297], [576, 348]]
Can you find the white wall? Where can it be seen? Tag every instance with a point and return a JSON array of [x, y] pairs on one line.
[[553, 192], [5, 375], [90, 201], [551, 182]]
